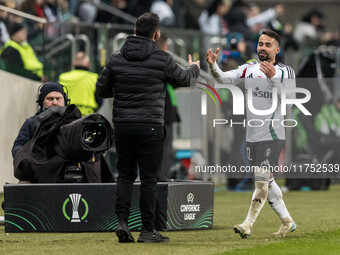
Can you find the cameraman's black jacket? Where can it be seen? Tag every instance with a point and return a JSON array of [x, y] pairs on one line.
[[26, 132], [43, 159], [136, 76]]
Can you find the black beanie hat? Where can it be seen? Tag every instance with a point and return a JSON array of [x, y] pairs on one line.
[[50, 87], [14, 27]]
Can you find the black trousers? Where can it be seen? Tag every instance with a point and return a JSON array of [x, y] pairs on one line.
[[140, 145], [167, 151]]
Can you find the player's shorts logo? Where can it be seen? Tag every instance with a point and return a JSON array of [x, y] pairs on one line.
[[267, 153]]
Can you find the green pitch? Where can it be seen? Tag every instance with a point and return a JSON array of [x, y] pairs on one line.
[[317, 214]]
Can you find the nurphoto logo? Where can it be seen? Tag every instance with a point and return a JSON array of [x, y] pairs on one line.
[[279, 98]]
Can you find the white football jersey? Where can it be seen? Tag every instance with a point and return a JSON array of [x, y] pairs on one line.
[[260, 127]]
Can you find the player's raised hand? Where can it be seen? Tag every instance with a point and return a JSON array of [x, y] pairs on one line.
[[267, 68], [193, 63], [212, 56]]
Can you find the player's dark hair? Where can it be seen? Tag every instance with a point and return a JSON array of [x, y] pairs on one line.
[[147, 24], [272, 34]]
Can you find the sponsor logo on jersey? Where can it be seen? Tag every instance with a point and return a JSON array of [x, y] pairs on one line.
[[260, 93]]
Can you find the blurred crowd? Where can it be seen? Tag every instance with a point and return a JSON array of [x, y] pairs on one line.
[[238, 21], [241, 23], [216, 17]]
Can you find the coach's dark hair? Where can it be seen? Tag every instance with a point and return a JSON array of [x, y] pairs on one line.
[[147, 24], [272, 34]]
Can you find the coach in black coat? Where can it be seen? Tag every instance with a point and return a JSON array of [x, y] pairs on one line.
[[136, 77]]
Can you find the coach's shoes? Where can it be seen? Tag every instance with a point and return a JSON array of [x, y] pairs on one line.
[[152, 237], [243, 230], [123, 233], [287, 226]]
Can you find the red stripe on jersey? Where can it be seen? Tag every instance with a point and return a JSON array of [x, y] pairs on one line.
[[244, 73]]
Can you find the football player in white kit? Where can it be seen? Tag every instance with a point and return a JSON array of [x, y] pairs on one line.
[[266, 138]]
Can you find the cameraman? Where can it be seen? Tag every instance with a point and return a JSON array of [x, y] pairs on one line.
[[51, 94]]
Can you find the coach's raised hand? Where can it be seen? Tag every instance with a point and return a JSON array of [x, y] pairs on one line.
[[212, 56], [193, 63]]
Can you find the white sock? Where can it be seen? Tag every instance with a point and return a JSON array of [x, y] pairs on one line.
[[276, 202], [258, 200]]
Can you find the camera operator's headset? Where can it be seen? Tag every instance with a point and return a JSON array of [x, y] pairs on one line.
[[65, 94]]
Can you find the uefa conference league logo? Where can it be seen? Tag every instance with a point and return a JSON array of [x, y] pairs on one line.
[[75, 200], [190, 209], [190, 198]]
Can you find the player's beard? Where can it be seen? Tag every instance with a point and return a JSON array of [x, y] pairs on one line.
[[264, 57]]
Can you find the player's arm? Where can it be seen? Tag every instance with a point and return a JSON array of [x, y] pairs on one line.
[[231, 77]]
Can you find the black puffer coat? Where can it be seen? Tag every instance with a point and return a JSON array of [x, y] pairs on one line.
[[136, 77], [26, 132]]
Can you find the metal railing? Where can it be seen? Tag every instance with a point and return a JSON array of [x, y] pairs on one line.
[[117, 41], [65, 41], [23, 14], [216, 41], [85, 39], [116, 12], [53, 47]]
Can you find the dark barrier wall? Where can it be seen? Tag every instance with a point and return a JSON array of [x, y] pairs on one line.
[[91, 207]]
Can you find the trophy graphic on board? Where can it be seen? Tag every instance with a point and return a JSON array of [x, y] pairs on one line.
[[75, 199]]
